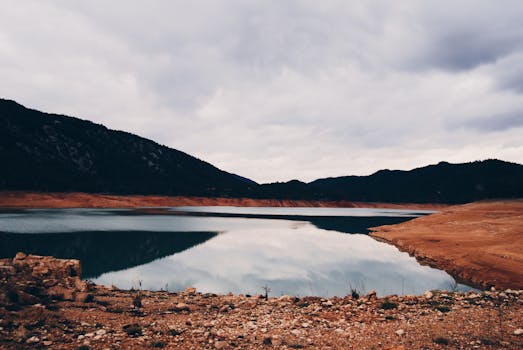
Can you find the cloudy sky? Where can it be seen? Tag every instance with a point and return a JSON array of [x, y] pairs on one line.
[[276, 90]]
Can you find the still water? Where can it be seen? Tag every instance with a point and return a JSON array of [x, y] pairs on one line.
[[295, 251]]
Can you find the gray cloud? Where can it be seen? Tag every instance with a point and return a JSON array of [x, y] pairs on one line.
[[496, 123], [276, 90]]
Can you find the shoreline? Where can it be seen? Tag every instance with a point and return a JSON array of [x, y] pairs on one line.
[[26, 199], [479, 243]]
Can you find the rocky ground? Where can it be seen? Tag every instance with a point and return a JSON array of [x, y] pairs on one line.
[[45, 304]]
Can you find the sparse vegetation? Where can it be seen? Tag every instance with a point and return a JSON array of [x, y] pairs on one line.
[[443, 308], [266, 291], [388, 305], [133, 330], [442, 341], [158, 344]]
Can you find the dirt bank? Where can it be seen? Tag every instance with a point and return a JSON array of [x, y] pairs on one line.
[[87, 200], [45, 305], [480, 243]]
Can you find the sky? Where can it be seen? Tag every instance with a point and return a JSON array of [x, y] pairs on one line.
[[280, 90]]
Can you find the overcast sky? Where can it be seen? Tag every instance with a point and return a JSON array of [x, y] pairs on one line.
[[277, 90]]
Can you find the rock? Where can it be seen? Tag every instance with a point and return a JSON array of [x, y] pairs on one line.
[[20, 256], [181, 307], [190, 290], [26, 298], [6, 271], [400, 332], [518, 331], [61, 293], [296, 332], [47, 342], [101, 332], [81, 285], [220, 345], [224, 308], [372, 295], [428, 294], [267, 341], [84, 297], [32, 340]]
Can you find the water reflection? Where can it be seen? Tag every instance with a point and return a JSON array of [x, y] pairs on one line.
[[299, 261], [288, 251], [103, 251]]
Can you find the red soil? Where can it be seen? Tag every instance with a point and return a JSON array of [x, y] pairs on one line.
[[480, 243], [87, 200]]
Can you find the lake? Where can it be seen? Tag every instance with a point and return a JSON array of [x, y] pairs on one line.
[[294, 251]]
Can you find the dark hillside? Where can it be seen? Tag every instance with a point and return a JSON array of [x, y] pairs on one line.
[[440, 183], [49, 152]]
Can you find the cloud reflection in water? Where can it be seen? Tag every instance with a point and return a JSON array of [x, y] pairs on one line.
[[296, 258]]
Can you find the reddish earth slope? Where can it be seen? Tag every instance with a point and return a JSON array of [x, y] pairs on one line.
[[481, 243]]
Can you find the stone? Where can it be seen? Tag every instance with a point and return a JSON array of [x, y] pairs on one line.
[[400, 332], [84, 297], [61, 293], [190, 290], [224, 308], [267, 341], [26, 298], [372, 295], [47, 342], [101, 332], [428, 294], [20, 256], [181, 307], [296, 332], [220, 345], [32, 340], [518, 331]]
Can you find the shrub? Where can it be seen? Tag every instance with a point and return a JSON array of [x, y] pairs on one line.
[[388, 305], [441, 341], [133, 330]]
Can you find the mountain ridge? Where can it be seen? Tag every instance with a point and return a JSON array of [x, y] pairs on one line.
[[58, 153]]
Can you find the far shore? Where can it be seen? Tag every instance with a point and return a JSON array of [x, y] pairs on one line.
[[15, 199]]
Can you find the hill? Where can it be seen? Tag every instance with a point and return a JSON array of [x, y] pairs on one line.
[[440, 183], [50, 152], [55, 153]]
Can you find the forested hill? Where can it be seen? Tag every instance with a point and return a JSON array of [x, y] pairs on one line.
[[50, 152], [440, 183], [55, 153]]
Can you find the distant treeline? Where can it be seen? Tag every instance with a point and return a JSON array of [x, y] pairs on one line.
[[56, 153]]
